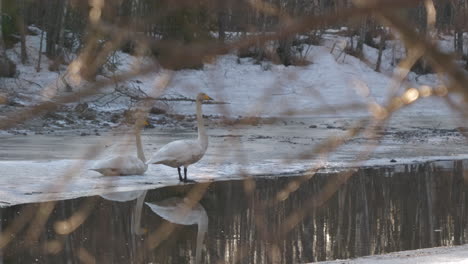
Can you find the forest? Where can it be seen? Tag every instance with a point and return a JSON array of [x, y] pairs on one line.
[[170, 30]]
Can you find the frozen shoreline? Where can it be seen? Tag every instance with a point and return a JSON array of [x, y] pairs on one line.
[[29, 164], [258, 151], [455, 254]]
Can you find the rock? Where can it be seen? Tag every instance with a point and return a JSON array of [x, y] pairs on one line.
[[161, 121], [69, 120], [81, 107], [190, 118], [178, 117], [89, 114], [7, 67], [313, 126], [53, 116], [149, 125], [115, 118], [58, 124], [14, 103], [157, 111]]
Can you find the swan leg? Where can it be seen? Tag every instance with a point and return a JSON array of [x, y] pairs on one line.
[[185, 176], [180, 175]]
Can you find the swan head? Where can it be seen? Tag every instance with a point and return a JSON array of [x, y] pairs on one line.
[[203, 97]]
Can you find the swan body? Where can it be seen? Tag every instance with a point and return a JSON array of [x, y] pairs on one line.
[[124, 165], [121, 166], [179, 153], [182, 153]]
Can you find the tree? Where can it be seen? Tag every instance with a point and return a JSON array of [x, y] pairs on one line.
[[55, 13], [7, 67], [22, 29]]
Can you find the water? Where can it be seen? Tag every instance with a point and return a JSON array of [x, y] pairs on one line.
[[378, 210]]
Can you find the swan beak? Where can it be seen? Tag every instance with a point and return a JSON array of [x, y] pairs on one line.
[[206, 97]]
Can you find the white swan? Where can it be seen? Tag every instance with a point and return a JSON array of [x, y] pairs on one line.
[[185, 152], [180, 211], [124, 164]]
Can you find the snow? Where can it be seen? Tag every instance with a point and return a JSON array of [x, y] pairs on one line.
[[250, 89], [456, 254]]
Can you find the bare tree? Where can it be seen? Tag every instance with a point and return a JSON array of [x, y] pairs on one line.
[[22, 29], [7, 67]]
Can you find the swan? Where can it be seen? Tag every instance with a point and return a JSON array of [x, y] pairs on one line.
[[185, 152], [124, 164], [180, 211]]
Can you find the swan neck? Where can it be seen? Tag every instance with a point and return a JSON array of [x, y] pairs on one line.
[[140, 153], [202, 137]]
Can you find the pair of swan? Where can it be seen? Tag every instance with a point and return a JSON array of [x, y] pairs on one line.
[[176, 154]]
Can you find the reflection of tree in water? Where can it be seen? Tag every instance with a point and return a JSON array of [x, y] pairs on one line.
[[378, 210]]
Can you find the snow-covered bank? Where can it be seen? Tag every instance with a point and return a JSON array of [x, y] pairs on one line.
[[39, 181], [456, 254], [31, 163]]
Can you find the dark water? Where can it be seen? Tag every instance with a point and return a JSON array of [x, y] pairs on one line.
[[378, 210]]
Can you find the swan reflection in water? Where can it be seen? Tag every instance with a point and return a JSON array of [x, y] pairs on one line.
[[129, 196], [175, 210], [183, 212]]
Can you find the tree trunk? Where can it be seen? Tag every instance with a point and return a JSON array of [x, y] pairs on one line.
[[381, 47], [222, 15], [7, 67], [2, 44], [53, 26], [22, 30], [38, 67], [459, 42], [362, 36], [61, 37]]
